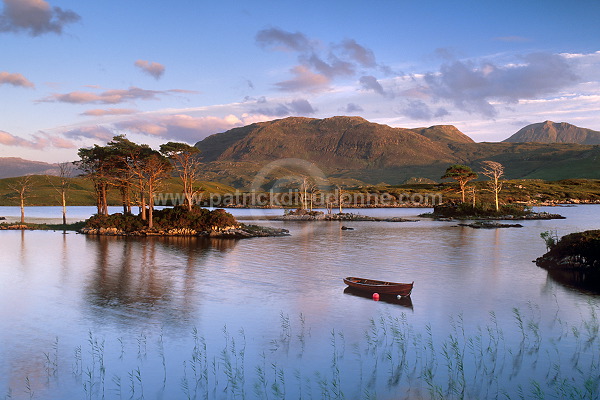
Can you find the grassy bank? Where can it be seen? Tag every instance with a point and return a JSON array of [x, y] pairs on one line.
[[531, 191]]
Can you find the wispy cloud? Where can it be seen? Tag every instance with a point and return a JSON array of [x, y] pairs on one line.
[[96, 132], [15, 80], [296, 107], [278, 39], [418, 110], [38, 142], [369, 82], [475, 88], [351, 108], [114, 96], [35, 17], [318, 64], [180, 126], [153, 69], [109, 111], [304, 80]]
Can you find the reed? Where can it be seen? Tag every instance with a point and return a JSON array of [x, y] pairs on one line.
[[396, 359]]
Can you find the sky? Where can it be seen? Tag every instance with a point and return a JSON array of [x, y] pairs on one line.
[[75, 73]]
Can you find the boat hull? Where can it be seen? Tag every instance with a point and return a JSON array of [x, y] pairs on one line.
[[381, 287]]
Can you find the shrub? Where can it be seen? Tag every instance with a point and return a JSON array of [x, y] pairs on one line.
[[178, 217]]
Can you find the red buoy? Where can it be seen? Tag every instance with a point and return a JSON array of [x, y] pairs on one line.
[[376, 296]]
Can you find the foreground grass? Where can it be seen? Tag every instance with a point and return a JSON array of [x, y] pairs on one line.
[[515, 360]]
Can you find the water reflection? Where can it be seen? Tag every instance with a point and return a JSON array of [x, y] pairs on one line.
[[149, 278], [386, 298], [585, 281]]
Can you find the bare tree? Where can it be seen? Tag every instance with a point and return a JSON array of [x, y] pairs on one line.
[[65, 171], [22, 186], [494, 170], [187, 165], [340, 197]]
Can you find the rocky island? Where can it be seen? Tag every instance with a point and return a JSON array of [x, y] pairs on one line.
[[178, 221], [307, 215], [463, 211], [580, 251]]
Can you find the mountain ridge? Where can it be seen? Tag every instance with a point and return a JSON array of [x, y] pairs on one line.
[[552, 132], [352, 150]]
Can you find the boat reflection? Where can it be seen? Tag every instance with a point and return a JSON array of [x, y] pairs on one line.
[[386, 298]]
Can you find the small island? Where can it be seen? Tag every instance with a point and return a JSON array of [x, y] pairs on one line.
[[301, 214], [463, 211], [178, 221]]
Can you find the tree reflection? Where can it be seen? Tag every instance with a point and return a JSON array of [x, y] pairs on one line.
[[149, 278]]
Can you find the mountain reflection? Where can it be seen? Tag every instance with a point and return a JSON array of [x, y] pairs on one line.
[[148, 278]]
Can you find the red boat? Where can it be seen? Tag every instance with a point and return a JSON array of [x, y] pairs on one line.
[[381, 287]]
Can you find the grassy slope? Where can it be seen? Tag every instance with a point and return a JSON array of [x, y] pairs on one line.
[[80, 193]]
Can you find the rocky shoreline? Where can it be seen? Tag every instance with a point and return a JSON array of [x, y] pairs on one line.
[[531, 216], [338, 217], [240, 232]]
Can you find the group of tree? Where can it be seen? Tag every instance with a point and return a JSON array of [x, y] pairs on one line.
[[464, 174], [137, 172]]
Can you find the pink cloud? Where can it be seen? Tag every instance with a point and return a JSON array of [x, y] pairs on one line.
[[40, 141], [113, 96], [180, 126], [109, 111], [151, 68], [304, 80], [15, 80]]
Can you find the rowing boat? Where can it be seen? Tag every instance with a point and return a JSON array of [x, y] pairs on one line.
[[381, 287]]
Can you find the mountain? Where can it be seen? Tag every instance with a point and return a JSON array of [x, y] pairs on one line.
[[552, 132], [14, 166], [354, 151], [346, 142]]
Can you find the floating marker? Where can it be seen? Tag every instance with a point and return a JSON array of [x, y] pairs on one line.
[[376, 296]]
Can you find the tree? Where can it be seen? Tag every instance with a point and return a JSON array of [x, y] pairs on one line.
[[494, 170], [340, 197], [150, 168], [122, 154], [462, 174], [22, 186], [65, 171], [187, 166], [94, 163]]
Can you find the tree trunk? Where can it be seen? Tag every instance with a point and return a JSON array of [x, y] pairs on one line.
[[22, 208], [64, 208], [150, 203]]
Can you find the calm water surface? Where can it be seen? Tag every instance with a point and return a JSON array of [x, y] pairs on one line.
[[89, 317]]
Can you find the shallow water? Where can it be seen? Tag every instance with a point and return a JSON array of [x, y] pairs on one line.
[[74, 306]]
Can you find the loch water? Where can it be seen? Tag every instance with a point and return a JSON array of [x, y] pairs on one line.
[[170, 317]]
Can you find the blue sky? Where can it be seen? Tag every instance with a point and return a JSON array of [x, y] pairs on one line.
[[74, 73]]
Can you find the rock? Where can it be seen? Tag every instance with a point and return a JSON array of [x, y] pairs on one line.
[[490, 225]]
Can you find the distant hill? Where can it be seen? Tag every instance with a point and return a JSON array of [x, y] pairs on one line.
[[552, 132], [354, 151], [14, 166]]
